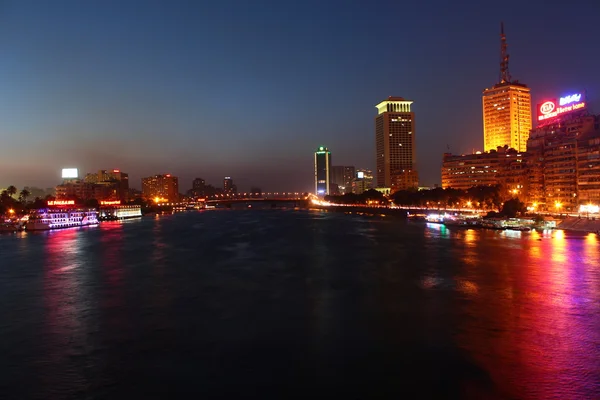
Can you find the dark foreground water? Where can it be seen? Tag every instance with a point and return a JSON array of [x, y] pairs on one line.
[[297, 304]]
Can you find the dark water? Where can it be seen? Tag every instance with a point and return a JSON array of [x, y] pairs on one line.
[[297, 304]]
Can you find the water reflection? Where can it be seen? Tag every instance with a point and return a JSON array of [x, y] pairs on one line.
[[538, 324], [64, 299]]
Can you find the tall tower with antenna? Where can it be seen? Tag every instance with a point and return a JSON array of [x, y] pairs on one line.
[[504, 74], [506, 108]]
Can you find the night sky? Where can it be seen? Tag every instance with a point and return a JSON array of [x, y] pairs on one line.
[[251, 88]]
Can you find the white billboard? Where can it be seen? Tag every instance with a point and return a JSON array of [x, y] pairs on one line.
[[69, 173]]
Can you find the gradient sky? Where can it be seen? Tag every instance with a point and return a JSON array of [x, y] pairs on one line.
[[251, 88]]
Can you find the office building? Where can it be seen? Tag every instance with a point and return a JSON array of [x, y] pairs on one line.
[[109, 184], [161, 188], [395, 145], [363, 181], [228, 186], [342, 177], [322, 171], [479, 169], [506, 109], [349, 176], [337, 179]]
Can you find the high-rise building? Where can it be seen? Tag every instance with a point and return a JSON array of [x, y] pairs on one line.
[[228, 186], [161, 188], [395, 145], [337, 175], [322, 171], [342, 176], [349, 176], [506, 109]]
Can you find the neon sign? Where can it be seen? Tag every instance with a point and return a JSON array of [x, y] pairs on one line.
[[547, 107], [553, 108], [110, 203], [574, 98], [61, 202]]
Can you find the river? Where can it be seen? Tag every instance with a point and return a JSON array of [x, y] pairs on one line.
[[298, 304]]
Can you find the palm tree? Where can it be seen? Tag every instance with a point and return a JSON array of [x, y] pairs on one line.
[[11, 190], [24, 195], [4, 197]]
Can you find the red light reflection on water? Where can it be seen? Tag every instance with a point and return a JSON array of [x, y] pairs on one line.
[[63, 291], [535, 316]]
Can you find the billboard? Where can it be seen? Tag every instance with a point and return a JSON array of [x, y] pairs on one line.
[[69, 173], [360, 175], [553, 108]]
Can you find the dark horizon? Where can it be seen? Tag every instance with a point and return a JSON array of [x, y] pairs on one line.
[[209, 90]]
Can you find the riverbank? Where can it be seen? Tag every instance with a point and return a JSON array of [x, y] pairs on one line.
[[396, 212]]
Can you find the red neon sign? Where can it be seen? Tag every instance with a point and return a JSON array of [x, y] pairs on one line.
[[116, 171], [547, 107], [110, 202], [550, 109], [61, 202]]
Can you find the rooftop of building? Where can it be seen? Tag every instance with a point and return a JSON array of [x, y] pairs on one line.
[[508, 84]]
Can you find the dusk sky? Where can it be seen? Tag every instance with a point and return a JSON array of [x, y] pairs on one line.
[[250, 88]]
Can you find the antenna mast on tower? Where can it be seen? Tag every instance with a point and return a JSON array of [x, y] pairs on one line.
[[504, 74]]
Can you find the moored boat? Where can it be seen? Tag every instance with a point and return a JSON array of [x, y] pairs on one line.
[[56, 218]]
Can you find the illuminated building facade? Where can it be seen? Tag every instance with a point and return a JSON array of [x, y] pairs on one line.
[[565, 171], [322, 171], [506, 116], [363, 181], [395, 145], [506, 109], [164, 188], [479, 169]]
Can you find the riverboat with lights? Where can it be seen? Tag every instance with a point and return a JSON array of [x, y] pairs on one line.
[[61, 214], [115, 211]]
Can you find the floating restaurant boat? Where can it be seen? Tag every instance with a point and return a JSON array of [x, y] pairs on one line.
[[61, 214], [115, 211]]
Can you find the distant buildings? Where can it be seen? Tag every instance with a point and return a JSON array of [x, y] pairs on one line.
[[161, 188], [395, 145], [103, 185], [322, 171], [363, 181], [228, 186], [342, 177], [506, 109], [110, 184]]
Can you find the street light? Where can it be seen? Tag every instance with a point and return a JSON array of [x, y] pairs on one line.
[[558, 205]]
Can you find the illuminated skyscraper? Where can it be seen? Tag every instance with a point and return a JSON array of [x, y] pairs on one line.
[[395, 145], [322, 171], [506, 109]]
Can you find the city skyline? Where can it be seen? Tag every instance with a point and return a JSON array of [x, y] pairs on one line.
[[173, 89]]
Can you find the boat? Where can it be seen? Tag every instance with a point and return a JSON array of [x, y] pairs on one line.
[[117, 212], [55, 218], [8, 227]]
